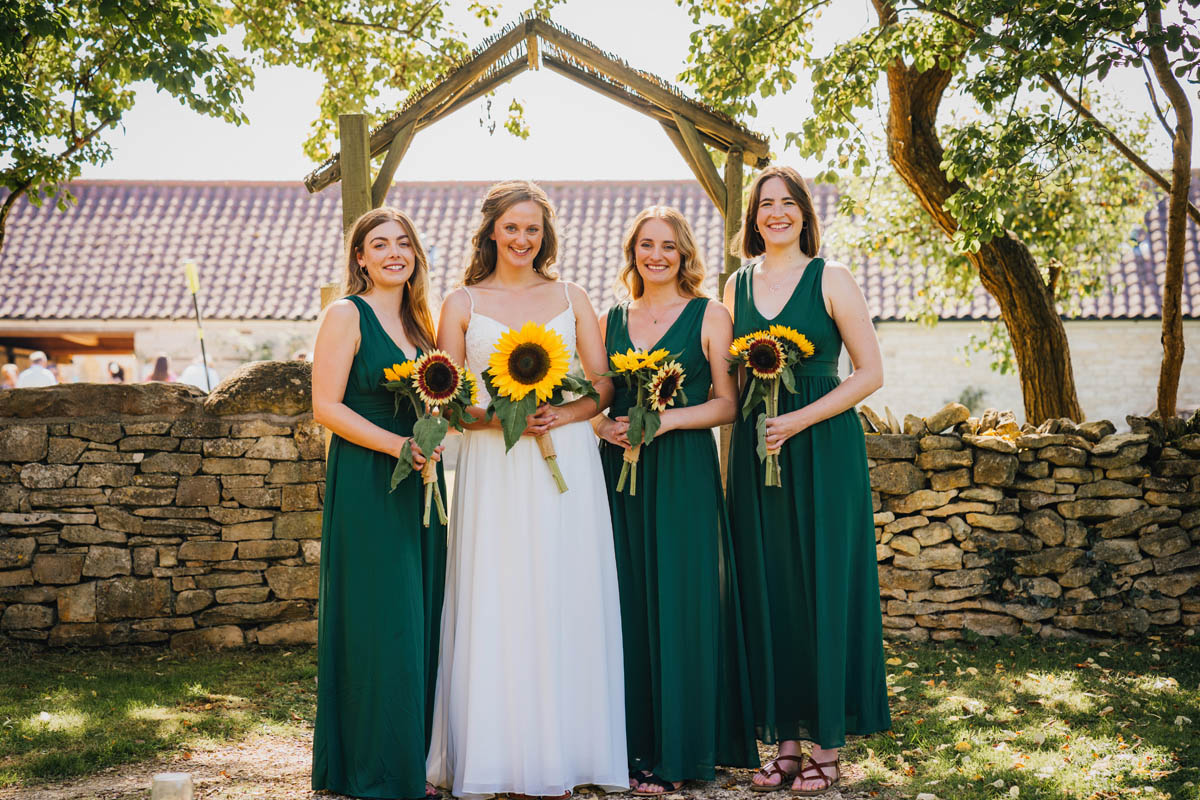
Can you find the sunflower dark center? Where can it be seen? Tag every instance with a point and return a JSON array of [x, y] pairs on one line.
[[667, 387], [763, 357], [439, 378], [528, 363]]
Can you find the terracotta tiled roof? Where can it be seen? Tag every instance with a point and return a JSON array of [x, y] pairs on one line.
[[264, 249]]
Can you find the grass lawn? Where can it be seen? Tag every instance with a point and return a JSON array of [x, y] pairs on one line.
[[1023, 718]]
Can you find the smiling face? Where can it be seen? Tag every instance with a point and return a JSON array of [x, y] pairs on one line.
[[779, 218], [656, 253], [387, 255], [518, 235]]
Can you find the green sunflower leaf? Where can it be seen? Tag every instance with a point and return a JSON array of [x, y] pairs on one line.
[[636, 421], [760, 429]]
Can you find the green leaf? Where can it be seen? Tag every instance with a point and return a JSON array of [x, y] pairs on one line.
[[652, 423], [760, 430], [755, 394], [404, 466], [513, 416], [637, 416], [789, 379], [429, 431]]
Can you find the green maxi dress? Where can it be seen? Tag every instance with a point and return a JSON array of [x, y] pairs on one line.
[[687, 695], [382, 577], [814, 632]]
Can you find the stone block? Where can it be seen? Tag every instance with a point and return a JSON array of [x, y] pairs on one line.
[[1108, 488], [97, 475], [24, 443], [172, 463], [990, 624], [960, 578], [994, 443], [64, 450], [1064, 455], [132, 598], [104, 432], [77, 603], [284, 472], [1037, 441], [1169, 585], [1172, 499], [115, 519], [105, 562], [244, 531], [1125, 622], [142, 496], [898, 477], [46, 476], [904, 524], [16, 577], [1049, 560], [294, 583], [289, 633], [940, 621], [312, 550], [933, 533], [63, 498], [1117, 551], [1076, 475], [1034, 469], [268, 549], [300, 498], [959, 508], [942, 556], [947, 595], [130, 443], [954, 479], [911, 580], [916, 501], [944, 459], [1184, 560], [217, 580], [882, 553], [204, 639], [243, 594], [207, 551], [307, 525], [226, 448], [26, 617], [310, 440], [949, 416], [198, 490], [277, 448], [1042, 587], [254, 612], [145, 559], [1047, 525], [936, 442], [255, 497], [236, 516], [16, 551], [996, 469], [193, 600], [905, 544], [988, 541], [995, 522], [1096, 508], [58, 568], [235, 466], [255, 428], [1165, 542]]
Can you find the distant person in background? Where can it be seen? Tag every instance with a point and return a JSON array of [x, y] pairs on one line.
[[116, 373], [36, 374], [194, 376], [300, 355], [161, 371], [8, 376]]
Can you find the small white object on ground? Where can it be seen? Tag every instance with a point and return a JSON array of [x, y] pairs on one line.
[[171, 786]]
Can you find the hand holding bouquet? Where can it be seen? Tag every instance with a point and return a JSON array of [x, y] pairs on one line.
[[657, 384], [529, 367], [768, 357], [440, 392]]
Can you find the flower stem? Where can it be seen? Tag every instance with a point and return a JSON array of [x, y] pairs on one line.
[[546, 446], [771, 473]]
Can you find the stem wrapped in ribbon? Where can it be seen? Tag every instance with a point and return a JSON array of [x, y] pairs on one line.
[[440, 392], [768, 357]]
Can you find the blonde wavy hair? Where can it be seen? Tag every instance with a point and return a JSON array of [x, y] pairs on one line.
[[690, 277], [501, 198], [414, 303]]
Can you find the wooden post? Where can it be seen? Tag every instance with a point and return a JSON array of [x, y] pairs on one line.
[[387, 171], [733, 220], [355, 167]]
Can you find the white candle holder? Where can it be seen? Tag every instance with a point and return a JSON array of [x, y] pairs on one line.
[[171, 786]]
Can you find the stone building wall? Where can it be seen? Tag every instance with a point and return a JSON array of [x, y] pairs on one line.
[[153, 514], [985, 527]]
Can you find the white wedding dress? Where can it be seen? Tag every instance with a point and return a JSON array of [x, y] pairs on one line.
[[530, 688]]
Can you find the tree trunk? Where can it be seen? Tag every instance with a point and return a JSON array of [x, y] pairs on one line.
[[1177, 208], [1006, 268]]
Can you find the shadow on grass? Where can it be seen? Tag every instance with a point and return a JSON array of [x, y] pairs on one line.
[[64, 714]]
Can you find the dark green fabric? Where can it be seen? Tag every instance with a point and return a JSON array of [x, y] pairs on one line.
[[813, 629], [687, 696], [382, 578]]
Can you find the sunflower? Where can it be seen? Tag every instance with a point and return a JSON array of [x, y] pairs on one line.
[[764, 356], [533, 359], [398, 372], [626, 362], [436, 378], [472, 384], [739, 345], [664, 385], [795, 337], [651, 360]]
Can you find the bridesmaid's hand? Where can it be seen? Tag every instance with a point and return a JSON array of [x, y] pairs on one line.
[[541, 420], [437, 453], [615, 431], [784, 427], [417, 455]]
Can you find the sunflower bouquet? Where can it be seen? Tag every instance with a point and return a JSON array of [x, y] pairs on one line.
[[440, 392], [529, 367], [768, 357], [658, 380]]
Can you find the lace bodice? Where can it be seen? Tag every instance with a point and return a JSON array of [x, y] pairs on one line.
[[483, 332]]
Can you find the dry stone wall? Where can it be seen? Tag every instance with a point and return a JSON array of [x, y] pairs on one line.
[[1063, 530], [153, 514]]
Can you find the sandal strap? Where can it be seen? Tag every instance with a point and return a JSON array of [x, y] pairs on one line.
[[772, 768], [654, 780], [817, 766]]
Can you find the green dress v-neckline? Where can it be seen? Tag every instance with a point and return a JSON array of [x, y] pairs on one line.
[[360, 302]]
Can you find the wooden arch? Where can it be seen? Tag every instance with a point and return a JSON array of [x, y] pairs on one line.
[[531, 42]]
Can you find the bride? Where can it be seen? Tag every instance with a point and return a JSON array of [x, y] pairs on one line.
[[529, 689]]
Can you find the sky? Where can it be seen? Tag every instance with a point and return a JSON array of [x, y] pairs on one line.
[[575, 134]]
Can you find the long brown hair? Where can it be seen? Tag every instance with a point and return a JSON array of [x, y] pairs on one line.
[[414, 303], [690, 277], [749, 242], [501, 198]]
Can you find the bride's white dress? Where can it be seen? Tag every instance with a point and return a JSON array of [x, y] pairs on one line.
[[530, 687]]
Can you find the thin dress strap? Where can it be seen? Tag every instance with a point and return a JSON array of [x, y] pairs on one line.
[[471, 298], [567, 292]]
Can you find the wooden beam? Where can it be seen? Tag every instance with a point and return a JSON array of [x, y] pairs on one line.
[[453, 85], [733, 213], [623, 97], [356, 167], [651, 90], [531, 49], [706, 171], [677, 139], [500, 77], [387, 170]]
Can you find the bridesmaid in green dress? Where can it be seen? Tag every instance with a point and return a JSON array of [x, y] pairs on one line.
[[382, 573], [687, 696], [815, 634]]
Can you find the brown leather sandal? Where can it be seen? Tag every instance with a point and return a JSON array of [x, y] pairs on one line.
[[817, 767], [771, 769]]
